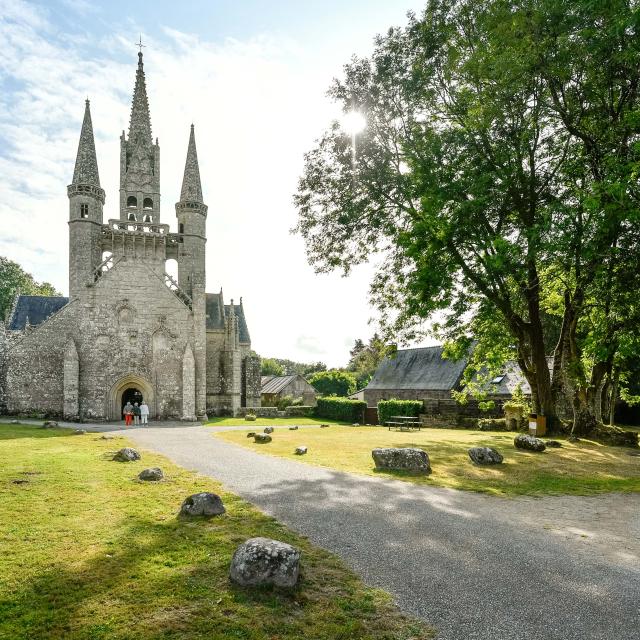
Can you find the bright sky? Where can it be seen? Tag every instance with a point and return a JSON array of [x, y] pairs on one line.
[[252, 76]]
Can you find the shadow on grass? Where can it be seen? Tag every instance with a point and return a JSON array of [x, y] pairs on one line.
[[153, 580], [17, 431]]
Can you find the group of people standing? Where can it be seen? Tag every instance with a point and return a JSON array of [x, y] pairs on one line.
[[135, 413]]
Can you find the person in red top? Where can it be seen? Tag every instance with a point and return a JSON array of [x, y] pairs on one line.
[[128, 414]]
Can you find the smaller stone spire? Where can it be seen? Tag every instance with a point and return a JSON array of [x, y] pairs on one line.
[[140, 122], [86, 169], [191, 187]]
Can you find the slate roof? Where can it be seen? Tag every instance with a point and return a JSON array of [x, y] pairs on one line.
[[277, 383], [36, 309], [423, 368], [215, 318]]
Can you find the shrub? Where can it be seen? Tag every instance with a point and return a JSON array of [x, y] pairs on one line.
[[341, 409], [299, 411], [284, 402], [334, 382], [493, 424], [388, 408]]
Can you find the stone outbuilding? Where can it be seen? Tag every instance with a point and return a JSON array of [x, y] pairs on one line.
[[424, 374], [128, 330], [276, 387]]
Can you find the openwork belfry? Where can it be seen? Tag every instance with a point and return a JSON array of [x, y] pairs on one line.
[[129, 331]]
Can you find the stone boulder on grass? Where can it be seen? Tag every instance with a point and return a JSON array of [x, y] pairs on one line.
[[126, 455], [529, 443], [152, 475], [265, 562], [202, 504], [485, 456], [406, 459], [262, 438]]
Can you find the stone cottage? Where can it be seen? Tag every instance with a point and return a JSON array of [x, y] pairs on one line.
[[128, 330], [424, 374], [277, 387]]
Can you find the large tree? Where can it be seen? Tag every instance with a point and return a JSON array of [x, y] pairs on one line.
[[479, 178], [13, 280]]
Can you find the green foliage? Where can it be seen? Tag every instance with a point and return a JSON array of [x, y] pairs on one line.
[[388, 408], [518, 401], [497, 175], [14, 278], [342, 409], [334, 382], [284, 367], [271, 367], [284, 402], [300, 410], [365, 358]]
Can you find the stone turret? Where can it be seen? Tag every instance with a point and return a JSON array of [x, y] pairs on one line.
[[139, 160], [192, 229], [86, 200]]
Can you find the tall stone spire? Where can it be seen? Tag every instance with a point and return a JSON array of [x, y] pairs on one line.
[[140, 122], [191, 187], [86, 169]]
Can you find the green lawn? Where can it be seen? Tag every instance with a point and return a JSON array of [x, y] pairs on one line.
[[269, 422], [582, 468], [88, 552]]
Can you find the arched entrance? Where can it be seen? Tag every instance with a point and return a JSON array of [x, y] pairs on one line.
[[132, 388], [132, 395]]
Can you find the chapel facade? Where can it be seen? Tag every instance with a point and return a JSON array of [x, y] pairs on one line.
[[129, 330]]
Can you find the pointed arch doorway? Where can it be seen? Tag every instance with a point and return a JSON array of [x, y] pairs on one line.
[[132, 388]]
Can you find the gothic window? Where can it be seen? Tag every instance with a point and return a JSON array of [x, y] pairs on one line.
[[147, 218], [84, 210], [181, 227], [147, 203], [132, 201], [132, 216]]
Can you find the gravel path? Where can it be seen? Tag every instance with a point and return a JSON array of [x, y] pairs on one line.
[[473, 566]]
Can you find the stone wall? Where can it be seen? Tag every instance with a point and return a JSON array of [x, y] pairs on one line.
[[129, 330]]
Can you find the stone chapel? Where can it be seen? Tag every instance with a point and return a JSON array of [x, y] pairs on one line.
[[128, 330]]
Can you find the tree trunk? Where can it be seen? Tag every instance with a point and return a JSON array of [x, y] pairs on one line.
[[612, 401], [584, 421]]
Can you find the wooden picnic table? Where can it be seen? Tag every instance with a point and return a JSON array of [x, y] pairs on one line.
[[404, 423]]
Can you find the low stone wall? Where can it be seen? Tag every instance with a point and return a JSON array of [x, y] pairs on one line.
[[260, 412], [448, 421], [299, 411]]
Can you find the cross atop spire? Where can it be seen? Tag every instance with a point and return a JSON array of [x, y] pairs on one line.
[[139, 44], [86, 169], [191, 187], [140, 122]]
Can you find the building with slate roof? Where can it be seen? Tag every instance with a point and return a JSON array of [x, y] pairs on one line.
[[276, 387], [128, 330], [424, 374]]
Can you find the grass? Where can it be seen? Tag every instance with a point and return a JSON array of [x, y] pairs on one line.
[[88, 552], [269, 422], [582, 468]]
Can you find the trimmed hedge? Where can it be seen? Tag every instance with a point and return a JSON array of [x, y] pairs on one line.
[[388, 408], [341, 409]]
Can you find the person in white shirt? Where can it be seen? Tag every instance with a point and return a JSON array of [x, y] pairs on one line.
[[144, 413]]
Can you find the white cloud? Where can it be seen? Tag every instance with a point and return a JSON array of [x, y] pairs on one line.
[[256, 111]]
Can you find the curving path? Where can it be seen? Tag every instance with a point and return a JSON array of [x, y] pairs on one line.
[[473, 566]]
